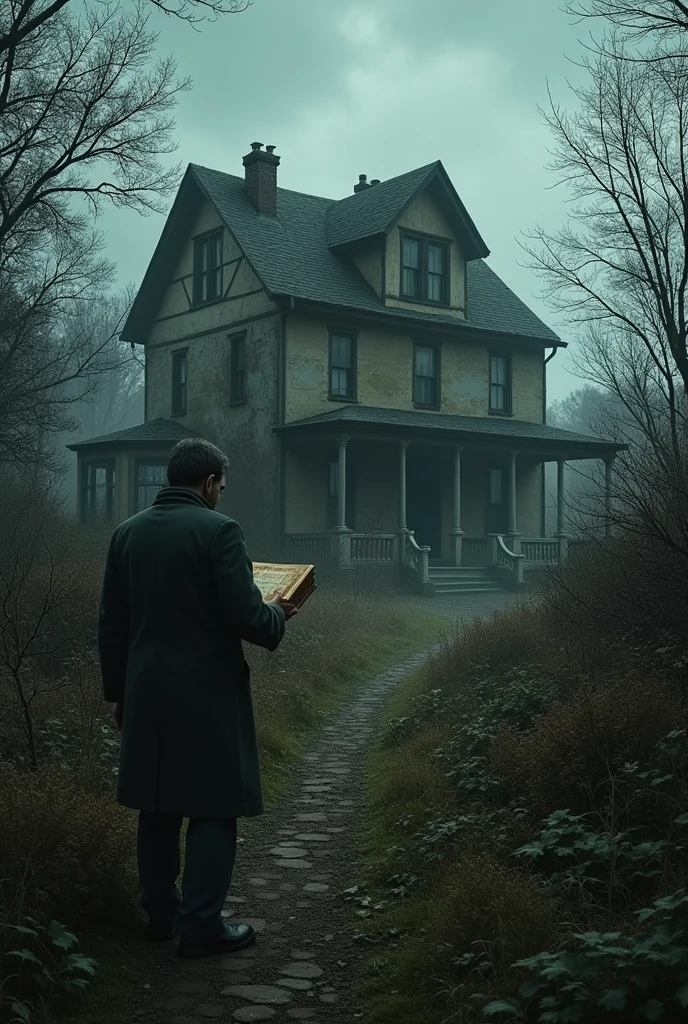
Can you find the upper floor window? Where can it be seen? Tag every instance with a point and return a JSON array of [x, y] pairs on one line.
[[424, 269], [426, 380], [342, 366], [207, 280], [180, 372], [98, 490], [237, 369], [500, 384], [150, 478]]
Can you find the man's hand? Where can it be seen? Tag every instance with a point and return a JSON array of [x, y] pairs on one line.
[[289, 609], [118, 714]]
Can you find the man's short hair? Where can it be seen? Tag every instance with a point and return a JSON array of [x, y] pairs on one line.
[[193, 460]]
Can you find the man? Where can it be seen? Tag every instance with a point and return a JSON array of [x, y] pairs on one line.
[[178, 600]]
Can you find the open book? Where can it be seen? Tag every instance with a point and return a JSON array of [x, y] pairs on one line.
[[294, 583]]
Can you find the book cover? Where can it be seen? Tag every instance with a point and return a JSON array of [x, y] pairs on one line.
[[294, 583]]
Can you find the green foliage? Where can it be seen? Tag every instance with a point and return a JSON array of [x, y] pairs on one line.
[[574, 854], [41, 962], [643, 976]]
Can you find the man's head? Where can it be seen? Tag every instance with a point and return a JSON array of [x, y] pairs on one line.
[[199, 466]]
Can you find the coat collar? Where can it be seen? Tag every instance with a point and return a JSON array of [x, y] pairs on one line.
[[180, 496]]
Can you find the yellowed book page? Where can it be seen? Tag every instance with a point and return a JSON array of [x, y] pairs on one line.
[[273, 580]]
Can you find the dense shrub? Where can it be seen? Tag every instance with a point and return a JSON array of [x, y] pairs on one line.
[[574, 755], [66, 848]]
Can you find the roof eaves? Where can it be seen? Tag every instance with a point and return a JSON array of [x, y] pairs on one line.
[[135, 314], [394, 315], [437, 171]]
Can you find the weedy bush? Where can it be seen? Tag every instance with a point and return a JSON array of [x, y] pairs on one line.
[[574, 754], [487, 914], [64, 845]]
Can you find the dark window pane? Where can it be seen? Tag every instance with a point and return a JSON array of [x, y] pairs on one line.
[[412, 253], [341, 350], [237, 370], [425, 361], [179, 383], [411, 268], [208, 269], [98, 491], [425, 375], [150, 478]]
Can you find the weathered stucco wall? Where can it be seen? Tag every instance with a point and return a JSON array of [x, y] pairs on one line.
[[243, 293], [244, 432], [385, 367], [425, 216]]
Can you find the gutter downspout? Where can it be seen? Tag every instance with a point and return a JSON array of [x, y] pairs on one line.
[[543, 487]]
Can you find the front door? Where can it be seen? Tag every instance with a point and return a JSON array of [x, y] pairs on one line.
[[496, 514], [424, 504]]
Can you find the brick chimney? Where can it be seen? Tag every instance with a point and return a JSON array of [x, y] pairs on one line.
[[261, 178], [362, 183]]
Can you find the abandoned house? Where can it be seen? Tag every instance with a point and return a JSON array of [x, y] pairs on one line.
[[378, 390]]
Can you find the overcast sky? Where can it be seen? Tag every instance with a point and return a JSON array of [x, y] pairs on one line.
[[379, 88]]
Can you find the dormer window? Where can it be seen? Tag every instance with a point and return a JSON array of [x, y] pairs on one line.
[[424, 269], [207, 280]]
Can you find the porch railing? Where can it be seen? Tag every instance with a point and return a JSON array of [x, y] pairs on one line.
[[418, 557], [475, 551], [541, 550], [506, 562], [380, 548], [309, 547]]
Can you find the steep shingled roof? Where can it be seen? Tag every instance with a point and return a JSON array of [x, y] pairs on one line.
[[292, 256], [159, 431]]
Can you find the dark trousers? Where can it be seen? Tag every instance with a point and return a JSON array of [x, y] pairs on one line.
[[208, 864]]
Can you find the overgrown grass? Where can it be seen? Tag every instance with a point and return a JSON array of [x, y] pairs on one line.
[[339, 639], [529, 787]]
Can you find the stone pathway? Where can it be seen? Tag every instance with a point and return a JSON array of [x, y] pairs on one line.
[[287, 883]]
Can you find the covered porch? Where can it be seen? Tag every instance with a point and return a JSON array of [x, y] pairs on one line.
[[434, 499]]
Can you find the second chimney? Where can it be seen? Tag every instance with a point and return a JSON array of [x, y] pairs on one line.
[[261, 178]]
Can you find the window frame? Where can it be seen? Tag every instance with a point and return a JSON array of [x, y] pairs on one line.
[[234, 340], [508, 386], [108, 463], [139, 463], [353, 369], [436, 348], [197, 278], [425, 242], [181, 408]]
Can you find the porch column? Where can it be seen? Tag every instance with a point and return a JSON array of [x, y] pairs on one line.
[[341, 485], [403, 526], [457, 532], [341, 535], [608, 485], [514, 535], [561, 506], [403, 447]]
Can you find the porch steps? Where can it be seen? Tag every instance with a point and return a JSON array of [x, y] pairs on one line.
[[451, 579]]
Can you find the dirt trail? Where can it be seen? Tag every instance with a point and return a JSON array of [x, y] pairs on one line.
[[287, 883]]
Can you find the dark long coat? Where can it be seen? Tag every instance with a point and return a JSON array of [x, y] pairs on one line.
[[178, 600]]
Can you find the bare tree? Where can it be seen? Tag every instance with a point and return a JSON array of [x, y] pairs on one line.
[[621, 265], [54, 354], [619, 270], [85, 118], [36, 584], [651, 18]]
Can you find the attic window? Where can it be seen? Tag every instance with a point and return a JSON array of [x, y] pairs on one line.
[[207, 281], [424, 269]]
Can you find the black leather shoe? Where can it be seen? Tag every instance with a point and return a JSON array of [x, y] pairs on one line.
[[160, 929], [233, 938]]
